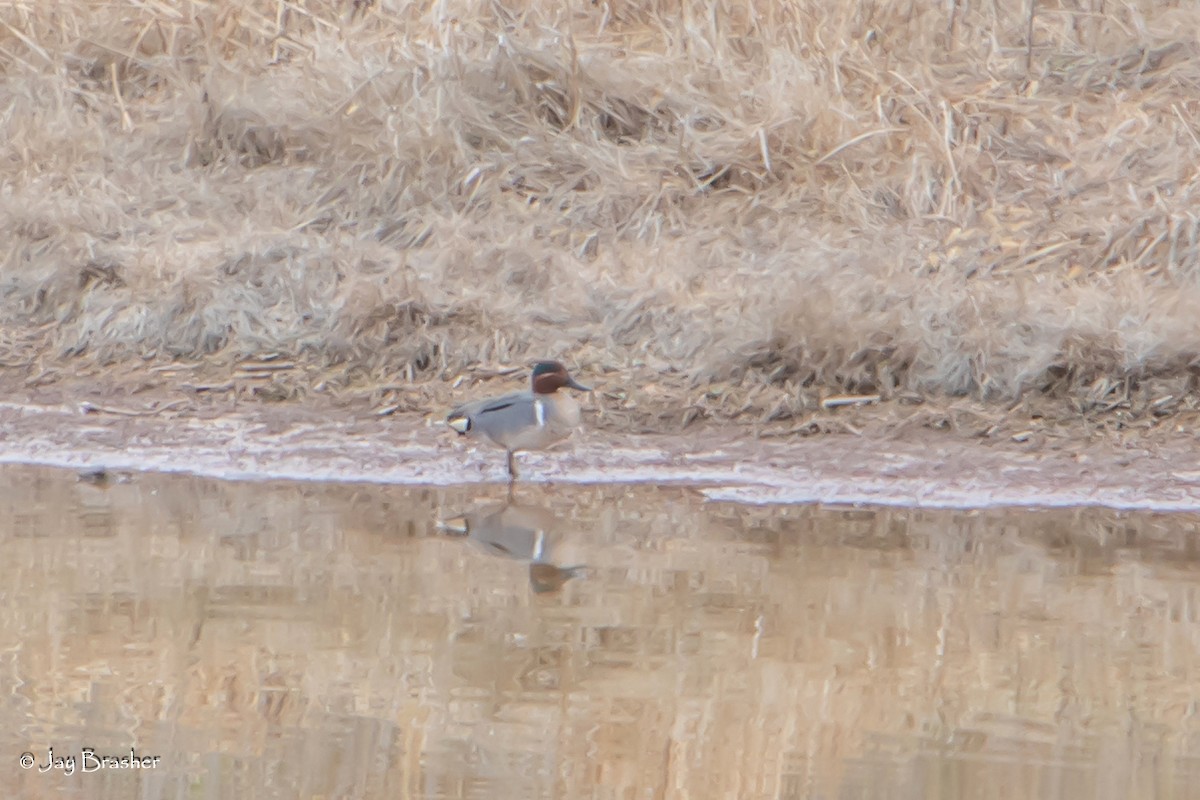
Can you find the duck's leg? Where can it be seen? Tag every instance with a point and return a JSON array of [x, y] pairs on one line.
[[512, 466]]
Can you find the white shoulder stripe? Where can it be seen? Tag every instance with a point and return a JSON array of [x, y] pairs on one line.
[[539, 410]]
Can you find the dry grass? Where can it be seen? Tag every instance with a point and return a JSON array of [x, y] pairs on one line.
[[759, 202]]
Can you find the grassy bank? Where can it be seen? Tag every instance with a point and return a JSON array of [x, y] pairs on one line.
[[744, 207]]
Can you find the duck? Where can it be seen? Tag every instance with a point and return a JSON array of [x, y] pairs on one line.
[[523, 533], [521, 421]]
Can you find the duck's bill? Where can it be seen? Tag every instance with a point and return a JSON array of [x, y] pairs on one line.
[[574, 384]]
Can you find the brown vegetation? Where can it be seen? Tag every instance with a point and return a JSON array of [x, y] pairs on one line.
[[744, 206]]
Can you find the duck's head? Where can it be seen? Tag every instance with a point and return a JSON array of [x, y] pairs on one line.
[[545, 577], [550, 376]]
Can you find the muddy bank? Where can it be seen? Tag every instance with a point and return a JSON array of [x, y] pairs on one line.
[[919, 468]]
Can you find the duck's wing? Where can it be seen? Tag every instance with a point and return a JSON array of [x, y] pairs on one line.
[[499, 536], [502, 419], [492, 405]]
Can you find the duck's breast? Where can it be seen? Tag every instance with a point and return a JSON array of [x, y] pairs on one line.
[[549, 419], [562, 411]]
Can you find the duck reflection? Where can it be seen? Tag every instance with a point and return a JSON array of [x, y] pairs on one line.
[[523, 533]]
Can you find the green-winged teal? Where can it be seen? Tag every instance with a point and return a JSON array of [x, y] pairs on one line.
[[524, 533], [531, 420]]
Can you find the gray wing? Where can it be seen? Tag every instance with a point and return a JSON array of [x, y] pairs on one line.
[[491, 404], [499, 418], [496, 536], [524, 532]]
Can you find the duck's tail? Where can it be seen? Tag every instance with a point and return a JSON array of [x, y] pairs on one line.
[[460, 422]]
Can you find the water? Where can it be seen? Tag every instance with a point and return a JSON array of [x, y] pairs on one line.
[[305, 640]]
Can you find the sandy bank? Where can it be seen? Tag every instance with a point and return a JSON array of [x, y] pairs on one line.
[[921, 468]]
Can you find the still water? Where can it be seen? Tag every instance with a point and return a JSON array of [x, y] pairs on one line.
[[314, 641]]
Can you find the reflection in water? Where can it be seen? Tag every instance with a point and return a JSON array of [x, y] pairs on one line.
[[526, 533], [280, 641]]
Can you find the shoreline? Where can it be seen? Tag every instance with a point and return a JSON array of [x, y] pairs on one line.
[[921, 469]]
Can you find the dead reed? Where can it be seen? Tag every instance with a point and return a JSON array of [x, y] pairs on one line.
[[740, 207]]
